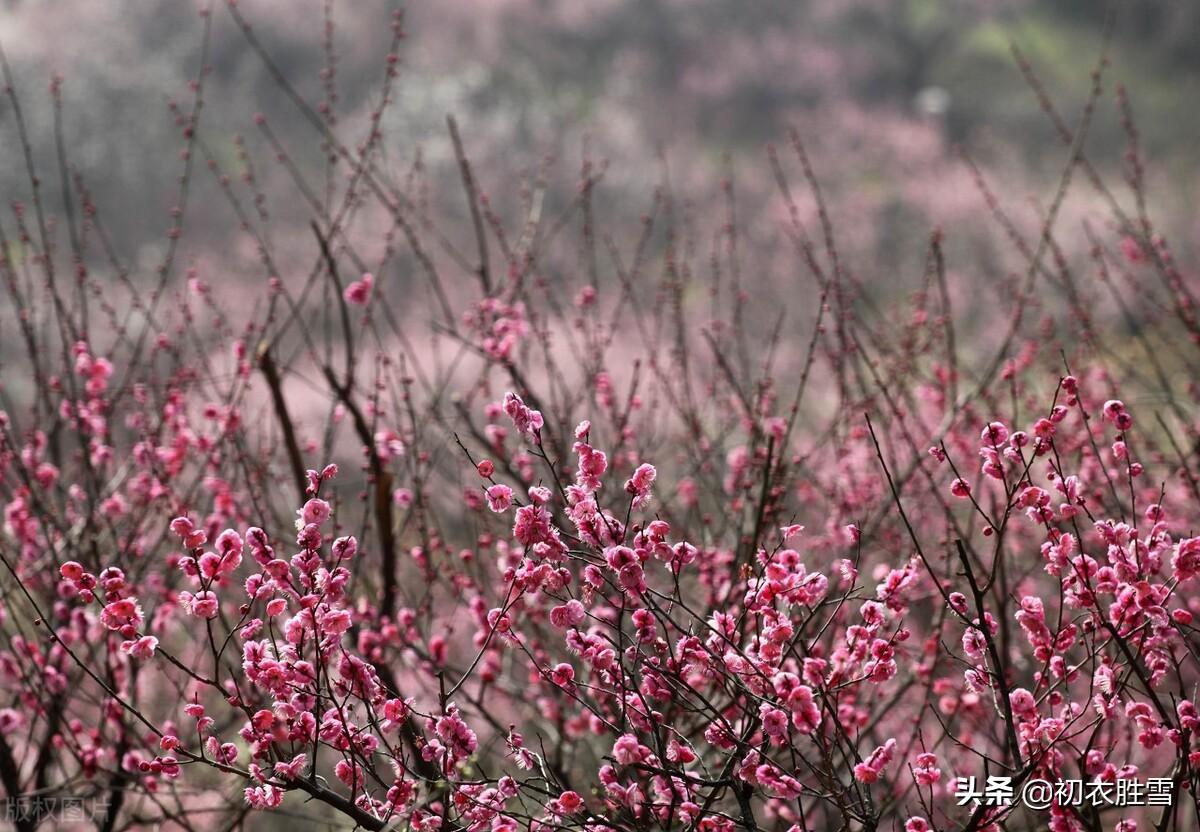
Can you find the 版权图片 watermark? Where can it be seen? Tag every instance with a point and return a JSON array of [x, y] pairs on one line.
[[57, 809]]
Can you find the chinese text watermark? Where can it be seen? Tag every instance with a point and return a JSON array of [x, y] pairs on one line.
[[1041, 794]]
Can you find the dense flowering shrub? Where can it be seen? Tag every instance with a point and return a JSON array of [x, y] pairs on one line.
[[578, 561]]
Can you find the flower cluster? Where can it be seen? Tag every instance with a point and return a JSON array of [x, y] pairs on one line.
[[577, 559]]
